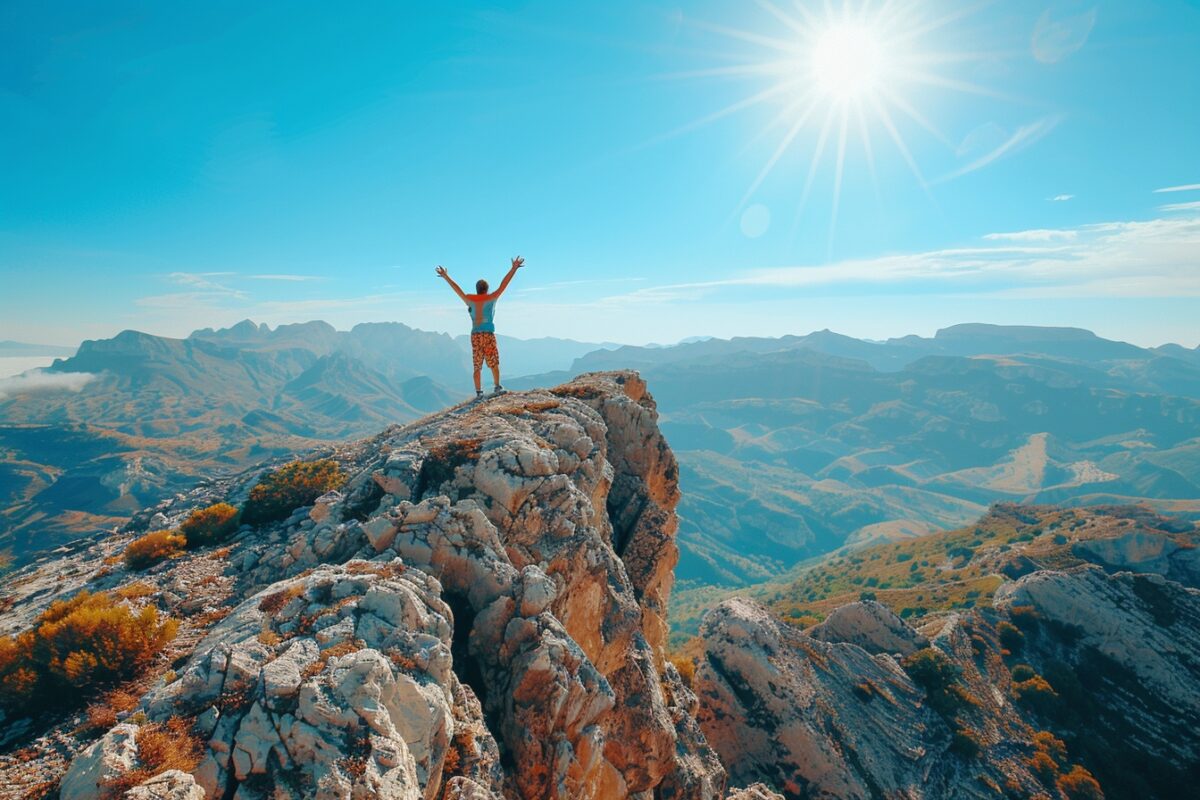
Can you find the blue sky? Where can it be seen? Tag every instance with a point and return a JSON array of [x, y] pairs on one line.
[[170, 166]]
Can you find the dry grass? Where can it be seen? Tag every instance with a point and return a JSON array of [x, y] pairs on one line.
[[136, 590], [103, 714], [170, 745], [275, 602]]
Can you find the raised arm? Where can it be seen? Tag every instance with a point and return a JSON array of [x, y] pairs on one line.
[[441, 271], [517, 263]]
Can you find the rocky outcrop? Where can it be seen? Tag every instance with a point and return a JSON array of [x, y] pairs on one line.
[[479, 613], [811, 718], [1123, 655], [1144, 551], [871, 626]]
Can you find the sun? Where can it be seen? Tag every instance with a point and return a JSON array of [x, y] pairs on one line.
[[847, 61], [852, 73]]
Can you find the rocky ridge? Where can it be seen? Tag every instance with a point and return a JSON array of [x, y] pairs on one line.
[[479, 613]]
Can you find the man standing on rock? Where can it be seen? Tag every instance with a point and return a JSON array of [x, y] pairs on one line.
[[482, 307]]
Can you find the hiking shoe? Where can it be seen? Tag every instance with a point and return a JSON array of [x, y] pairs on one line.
[[478, 394], [499, 390]]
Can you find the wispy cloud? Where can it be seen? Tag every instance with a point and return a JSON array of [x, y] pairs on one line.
[[1020, 139], [285, 277], [1062, 198], [1033, 236], [1190, 206], [39, 380], [1154, 258], [1191, 187], [201, 280]]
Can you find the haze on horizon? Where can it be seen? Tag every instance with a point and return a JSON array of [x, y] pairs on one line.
[[725, 169]]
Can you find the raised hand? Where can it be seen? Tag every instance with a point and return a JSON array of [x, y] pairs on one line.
[[518, 262], [441, 271]]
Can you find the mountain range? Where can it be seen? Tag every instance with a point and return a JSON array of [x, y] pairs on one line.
[[793, 447], [788, 447]]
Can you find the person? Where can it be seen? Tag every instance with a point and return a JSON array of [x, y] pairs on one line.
[[482, 307]]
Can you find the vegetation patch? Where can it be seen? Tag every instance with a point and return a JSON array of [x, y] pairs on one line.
[[160, 747], [209, 526], [279, 493], [153, 548], [76, 648]]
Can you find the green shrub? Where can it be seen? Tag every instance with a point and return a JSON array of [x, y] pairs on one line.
[[156, 546], [279, 493], [211, 525], [939, 677], [77, 646]]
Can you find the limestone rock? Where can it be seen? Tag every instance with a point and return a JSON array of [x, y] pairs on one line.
[[169, 785], [1133, 643], [781, 707], [112, 756], [756, 791], [871, 626]]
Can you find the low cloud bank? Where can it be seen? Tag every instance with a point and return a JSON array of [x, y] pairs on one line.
[[39, 380]]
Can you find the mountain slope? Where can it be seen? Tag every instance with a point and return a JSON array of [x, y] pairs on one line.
[[480, 613]]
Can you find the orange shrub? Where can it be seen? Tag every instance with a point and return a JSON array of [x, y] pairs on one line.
[[156, 546], [93, 640], [206, 526], [686, 668], [17, 676], [1078, 784], [279, 493], [77, 646], [1036, 693], [1042, 765]]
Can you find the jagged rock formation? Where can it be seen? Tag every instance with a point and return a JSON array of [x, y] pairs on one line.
[[1132, 641], [831, 713], [480, 613]]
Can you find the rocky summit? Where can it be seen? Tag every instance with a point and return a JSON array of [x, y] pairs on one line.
[[480, 612], [477, 610]]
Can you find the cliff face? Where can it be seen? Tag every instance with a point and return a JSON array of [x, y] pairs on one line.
[[479, 614], [1068, 670]]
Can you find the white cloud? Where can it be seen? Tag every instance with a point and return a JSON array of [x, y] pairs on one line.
[[1191, 187], [284, 277], [1062, 198], [39, 380]]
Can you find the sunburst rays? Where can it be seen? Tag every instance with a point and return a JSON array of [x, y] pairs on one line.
[[846, 72]]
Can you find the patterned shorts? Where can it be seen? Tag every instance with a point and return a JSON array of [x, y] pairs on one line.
[[483, 348]]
